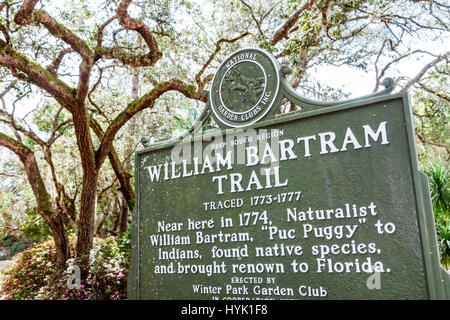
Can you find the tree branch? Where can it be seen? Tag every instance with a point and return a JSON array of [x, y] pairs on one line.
[[198, 79], [83, 82], [46, 210], [131, 24], [146, 101], [53, 68], [283, 31], [388, 65], [27, 15], [36, 74], [258, 24], [101, 28], [9, 175], [422, 139], [419, 75], [122, 175], [29, 133], [429, 90]]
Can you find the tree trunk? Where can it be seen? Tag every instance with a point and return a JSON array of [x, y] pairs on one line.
[[46, 210], [87, 213], [122, 174], [44, 203], [123, 216], [116, 214], [127, 164]]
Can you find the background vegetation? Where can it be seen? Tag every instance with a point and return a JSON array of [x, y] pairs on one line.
[[83, 81]]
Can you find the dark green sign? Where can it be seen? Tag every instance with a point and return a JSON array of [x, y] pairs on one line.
[[324, 203]]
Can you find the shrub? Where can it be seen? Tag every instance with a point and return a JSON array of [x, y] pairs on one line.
[[32, 272], [443, 232], [104, 272], [439, 179], [34, 276], [10, 246]]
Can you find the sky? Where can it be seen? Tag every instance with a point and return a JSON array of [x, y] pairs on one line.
[[355, 82]]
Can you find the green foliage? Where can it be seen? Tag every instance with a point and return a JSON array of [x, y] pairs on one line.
[[11, 246], [34, 275], [432, 114], [16, 201], [443, 232], [34, 228], [439, 179], [43, 118], [124, 244], [104, 270]]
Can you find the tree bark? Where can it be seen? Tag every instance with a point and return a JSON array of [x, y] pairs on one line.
[[90, 169], [123, 218], [44, 204], [74, 100], [87, 213], [123, 223]]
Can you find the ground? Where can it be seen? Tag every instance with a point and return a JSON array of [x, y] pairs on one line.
[[3, 266]]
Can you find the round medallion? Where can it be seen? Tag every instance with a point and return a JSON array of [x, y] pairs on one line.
[[245, 88]]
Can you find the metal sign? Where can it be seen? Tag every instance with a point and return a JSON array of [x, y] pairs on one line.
[[323, 203]]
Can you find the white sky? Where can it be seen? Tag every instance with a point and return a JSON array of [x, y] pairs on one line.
[[355, 82]]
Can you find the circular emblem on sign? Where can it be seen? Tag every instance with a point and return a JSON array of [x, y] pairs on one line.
[[245, 88]]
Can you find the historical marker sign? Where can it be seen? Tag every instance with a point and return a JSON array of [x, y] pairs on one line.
[[324, 204]]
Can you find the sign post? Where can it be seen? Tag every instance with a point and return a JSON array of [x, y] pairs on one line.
[[323, 203]]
